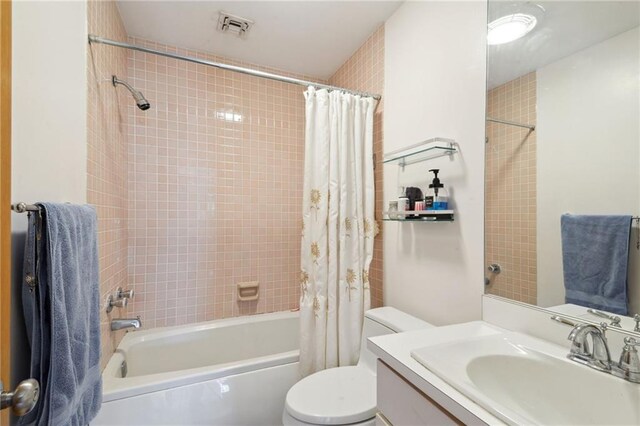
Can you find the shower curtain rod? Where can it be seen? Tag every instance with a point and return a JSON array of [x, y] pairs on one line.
[[512, 123], [248, 71]]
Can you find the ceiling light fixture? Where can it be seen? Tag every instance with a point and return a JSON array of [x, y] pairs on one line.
[[510, 27]]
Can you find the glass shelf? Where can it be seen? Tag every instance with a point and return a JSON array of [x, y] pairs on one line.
[[431, 148], [419, 216]]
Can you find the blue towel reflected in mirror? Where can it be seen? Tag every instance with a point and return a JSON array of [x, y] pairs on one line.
[[595, 259]]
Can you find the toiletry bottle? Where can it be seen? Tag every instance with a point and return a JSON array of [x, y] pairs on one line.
[[413, 194], [393, 209], [437, 197], [429, 195], [403, 201]]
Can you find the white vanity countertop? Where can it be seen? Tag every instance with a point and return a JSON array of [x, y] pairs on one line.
[[395, 351]]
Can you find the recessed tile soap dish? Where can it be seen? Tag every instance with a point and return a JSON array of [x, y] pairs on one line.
[[248, 291]]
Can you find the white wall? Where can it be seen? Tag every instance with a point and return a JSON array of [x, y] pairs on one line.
[[49, 142], [588, 148], [435, 70], [49, 116]]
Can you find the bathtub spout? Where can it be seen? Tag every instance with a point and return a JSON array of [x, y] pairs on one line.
[[119, 324]]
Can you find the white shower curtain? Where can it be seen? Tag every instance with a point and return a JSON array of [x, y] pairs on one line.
[[338, 227]]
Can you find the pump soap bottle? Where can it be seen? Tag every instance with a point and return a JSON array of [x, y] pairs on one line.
[[437, 197]]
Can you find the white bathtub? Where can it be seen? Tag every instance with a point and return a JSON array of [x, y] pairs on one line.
[[223, 372]]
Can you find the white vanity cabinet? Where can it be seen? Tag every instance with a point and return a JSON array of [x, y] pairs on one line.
[[409, 394], [402, 404]]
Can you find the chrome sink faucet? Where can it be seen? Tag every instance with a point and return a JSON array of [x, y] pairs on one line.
[[598, 357], [121, 323]]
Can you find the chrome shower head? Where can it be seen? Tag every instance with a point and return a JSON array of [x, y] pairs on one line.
[[142, 103]]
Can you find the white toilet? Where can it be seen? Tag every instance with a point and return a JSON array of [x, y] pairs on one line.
[[346, 395]]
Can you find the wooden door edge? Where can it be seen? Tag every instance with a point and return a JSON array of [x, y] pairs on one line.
[[5, 198]]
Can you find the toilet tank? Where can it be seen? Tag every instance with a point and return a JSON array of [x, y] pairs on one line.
[[386, 320]]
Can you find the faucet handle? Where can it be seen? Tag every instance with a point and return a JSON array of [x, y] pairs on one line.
[[615, 320], [124, 294], [120, 303], [629, 361], [636, 318], [115, 303]]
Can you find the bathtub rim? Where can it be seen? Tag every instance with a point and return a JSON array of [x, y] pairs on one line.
[[137, 336], [116, 387]]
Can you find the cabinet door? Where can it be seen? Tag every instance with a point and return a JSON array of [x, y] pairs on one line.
[[381, 420], [401, 404]]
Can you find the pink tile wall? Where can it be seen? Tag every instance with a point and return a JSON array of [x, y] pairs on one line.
[[203, 190], [364, 71], [510, 211], [107, 157], [215, 189]]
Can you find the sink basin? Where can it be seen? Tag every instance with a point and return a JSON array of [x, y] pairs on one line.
[[524, 380]]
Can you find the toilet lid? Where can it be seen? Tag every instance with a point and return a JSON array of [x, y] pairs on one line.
[[335, 396]]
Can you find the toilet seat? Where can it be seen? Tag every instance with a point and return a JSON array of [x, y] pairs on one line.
[[336, 396]]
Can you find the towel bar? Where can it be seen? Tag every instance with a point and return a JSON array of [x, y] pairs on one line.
[[636, 219], [24, 207]]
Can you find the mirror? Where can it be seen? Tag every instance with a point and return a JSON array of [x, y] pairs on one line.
[[563, 137]]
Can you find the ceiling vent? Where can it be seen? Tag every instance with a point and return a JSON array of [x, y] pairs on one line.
[[233, 24]]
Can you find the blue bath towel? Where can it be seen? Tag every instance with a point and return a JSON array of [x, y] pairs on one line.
[[595, 258], [62, 314]]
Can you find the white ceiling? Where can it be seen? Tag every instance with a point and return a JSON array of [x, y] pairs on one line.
[[307, 37], [565, 28]]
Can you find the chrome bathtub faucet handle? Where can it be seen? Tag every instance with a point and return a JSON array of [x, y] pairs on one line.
[[115, 303], [124, 294], [494, 268]]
